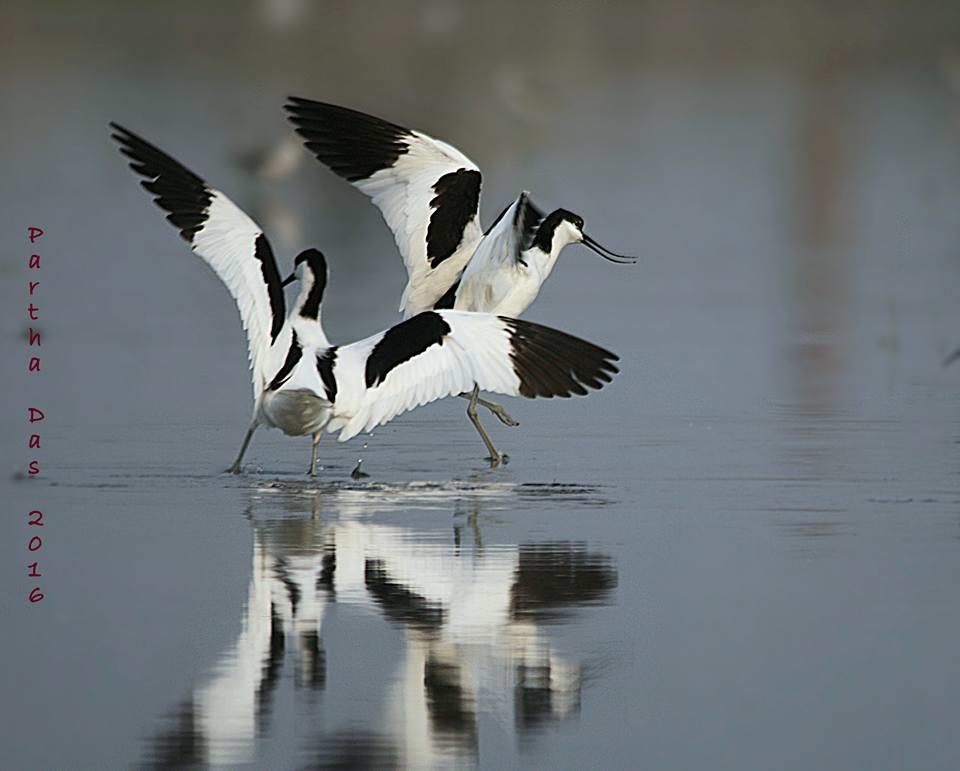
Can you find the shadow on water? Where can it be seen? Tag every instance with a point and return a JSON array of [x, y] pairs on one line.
[[461, 625]]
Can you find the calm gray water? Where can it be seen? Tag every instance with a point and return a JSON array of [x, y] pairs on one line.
[[743, 553]]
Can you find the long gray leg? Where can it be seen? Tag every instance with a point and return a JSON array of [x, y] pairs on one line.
[[313, 454], [495, 457], [496, 409], [235, 468]]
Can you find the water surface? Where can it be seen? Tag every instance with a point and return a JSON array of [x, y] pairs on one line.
[[743, 553]]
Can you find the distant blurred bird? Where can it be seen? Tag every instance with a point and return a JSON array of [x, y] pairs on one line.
[[303, 384], [272, 161], [429, 194]]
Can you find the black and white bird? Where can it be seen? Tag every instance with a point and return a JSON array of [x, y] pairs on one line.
[[429, 195], [303, 384]]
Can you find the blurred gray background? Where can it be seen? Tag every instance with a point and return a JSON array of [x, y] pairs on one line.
[[774, 475]]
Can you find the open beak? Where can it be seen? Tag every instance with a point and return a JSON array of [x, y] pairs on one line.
[[289, 279], [623, 259]]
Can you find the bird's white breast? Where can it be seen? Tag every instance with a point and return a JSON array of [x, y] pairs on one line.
[[299, 406], [507, 291]]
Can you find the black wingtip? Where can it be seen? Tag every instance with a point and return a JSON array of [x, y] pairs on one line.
[[291, 104], [175, 189], [552, 363], [127, 137], [294, 102], [350, 143], [122, 135]]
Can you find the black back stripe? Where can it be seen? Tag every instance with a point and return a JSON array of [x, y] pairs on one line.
[[353, 145], [449, 298], [455, 204], [271, 277], [552, 363], [293, 356], [325, 365], [402, 342], [176, 189]]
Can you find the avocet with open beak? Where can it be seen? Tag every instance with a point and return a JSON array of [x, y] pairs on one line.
[[302, 383]]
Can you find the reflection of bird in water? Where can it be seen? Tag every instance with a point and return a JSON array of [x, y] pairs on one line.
[[473, 640], [282, 615], [951, 358], [429, 194], [302, 383]]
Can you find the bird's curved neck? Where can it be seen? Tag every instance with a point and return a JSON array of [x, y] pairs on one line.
[[311, 295], [306, 318], [541, 261]]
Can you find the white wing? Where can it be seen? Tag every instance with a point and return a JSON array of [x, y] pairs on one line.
[[225, 237], [491, 273], [427, 190], [444, 353]]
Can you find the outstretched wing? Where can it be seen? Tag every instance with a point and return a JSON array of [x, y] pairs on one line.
[[488, 277], [427, 190], [444, 353], [227, 239]]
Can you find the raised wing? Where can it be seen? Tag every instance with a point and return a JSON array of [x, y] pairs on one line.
[[444, 353], [488, 277], [427, 190], [227, 239]]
